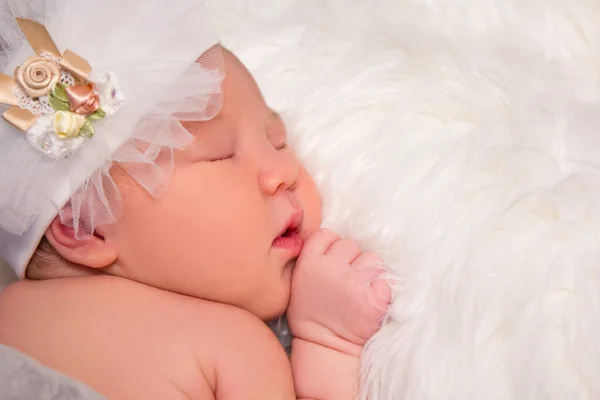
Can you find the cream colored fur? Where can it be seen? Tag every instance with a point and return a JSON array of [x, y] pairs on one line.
[[460, 139], [449, 136]]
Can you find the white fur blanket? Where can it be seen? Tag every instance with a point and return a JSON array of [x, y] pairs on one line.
[[460, 139]]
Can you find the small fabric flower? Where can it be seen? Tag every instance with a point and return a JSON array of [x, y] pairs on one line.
[[42, 136], [111, 98], [68, 124], [83, 99], [37, 76]]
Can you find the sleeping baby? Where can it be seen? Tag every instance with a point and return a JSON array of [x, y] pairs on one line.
[[158, 217]]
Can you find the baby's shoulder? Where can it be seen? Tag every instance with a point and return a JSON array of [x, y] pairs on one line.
[[92, 328], [121, 338]]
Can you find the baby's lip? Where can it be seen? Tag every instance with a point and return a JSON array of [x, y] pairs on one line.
[[293, 223], [290, 239]]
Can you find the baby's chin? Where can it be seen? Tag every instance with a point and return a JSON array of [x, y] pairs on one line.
[[274, 301], [274, 309]]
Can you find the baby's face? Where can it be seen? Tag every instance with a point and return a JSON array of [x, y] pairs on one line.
[[215, 233]]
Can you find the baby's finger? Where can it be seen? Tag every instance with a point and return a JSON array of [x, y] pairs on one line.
[[380, 292], [320, 242], [370, 262], [345, 250]]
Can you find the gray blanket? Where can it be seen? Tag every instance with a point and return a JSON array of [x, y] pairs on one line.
[[22, 378]]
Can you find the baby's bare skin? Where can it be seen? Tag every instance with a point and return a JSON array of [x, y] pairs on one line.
[[130, 341], [197, 271], [127, 340], [338, 303]]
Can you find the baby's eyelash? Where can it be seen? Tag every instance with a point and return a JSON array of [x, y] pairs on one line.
[[281, 146], [221, 158]]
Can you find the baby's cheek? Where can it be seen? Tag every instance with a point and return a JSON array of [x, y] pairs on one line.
[[311, 202]]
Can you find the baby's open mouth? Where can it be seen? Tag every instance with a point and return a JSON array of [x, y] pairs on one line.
[[291, 231], [290, 239]]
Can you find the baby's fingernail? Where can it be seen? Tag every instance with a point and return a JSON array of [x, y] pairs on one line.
[[383, 292]]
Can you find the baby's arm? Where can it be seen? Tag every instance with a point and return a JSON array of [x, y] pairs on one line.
[[250, 362], [338, 302], [131, 341], [322, 373]]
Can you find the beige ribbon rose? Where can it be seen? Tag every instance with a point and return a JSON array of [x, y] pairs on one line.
[[37, 76]]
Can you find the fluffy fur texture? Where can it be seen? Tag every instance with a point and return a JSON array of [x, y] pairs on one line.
[[460, 139]]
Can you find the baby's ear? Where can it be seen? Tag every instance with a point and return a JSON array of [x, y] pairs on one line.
[[92, 252]]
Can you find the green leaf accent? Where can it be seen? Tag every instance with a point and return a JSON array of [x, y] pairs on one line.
[[87, 129], [58, 99], [57, 104], [59, 91], [97, 115]]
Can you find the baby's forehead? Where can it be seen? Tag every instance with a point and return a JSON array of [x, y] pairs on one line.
[[231, 59], [270, 118], [243, 102]]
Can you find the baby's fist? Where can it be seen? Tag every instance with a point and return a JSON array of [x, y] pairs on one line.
[[337, 292]]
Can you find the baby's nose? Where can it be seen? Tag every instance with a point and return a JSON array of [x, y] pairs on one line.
[[278, 172]]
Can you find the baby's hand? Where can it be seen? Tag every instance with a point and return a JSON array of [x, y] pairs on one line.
[[338, 297]]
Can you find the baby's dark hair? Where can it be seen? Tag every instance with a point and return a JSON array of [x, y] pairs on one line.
[[47, 263], [44, 256]]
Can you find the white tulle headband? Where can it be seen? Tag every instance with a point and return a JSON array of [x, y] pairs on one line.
[[129, 72]]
